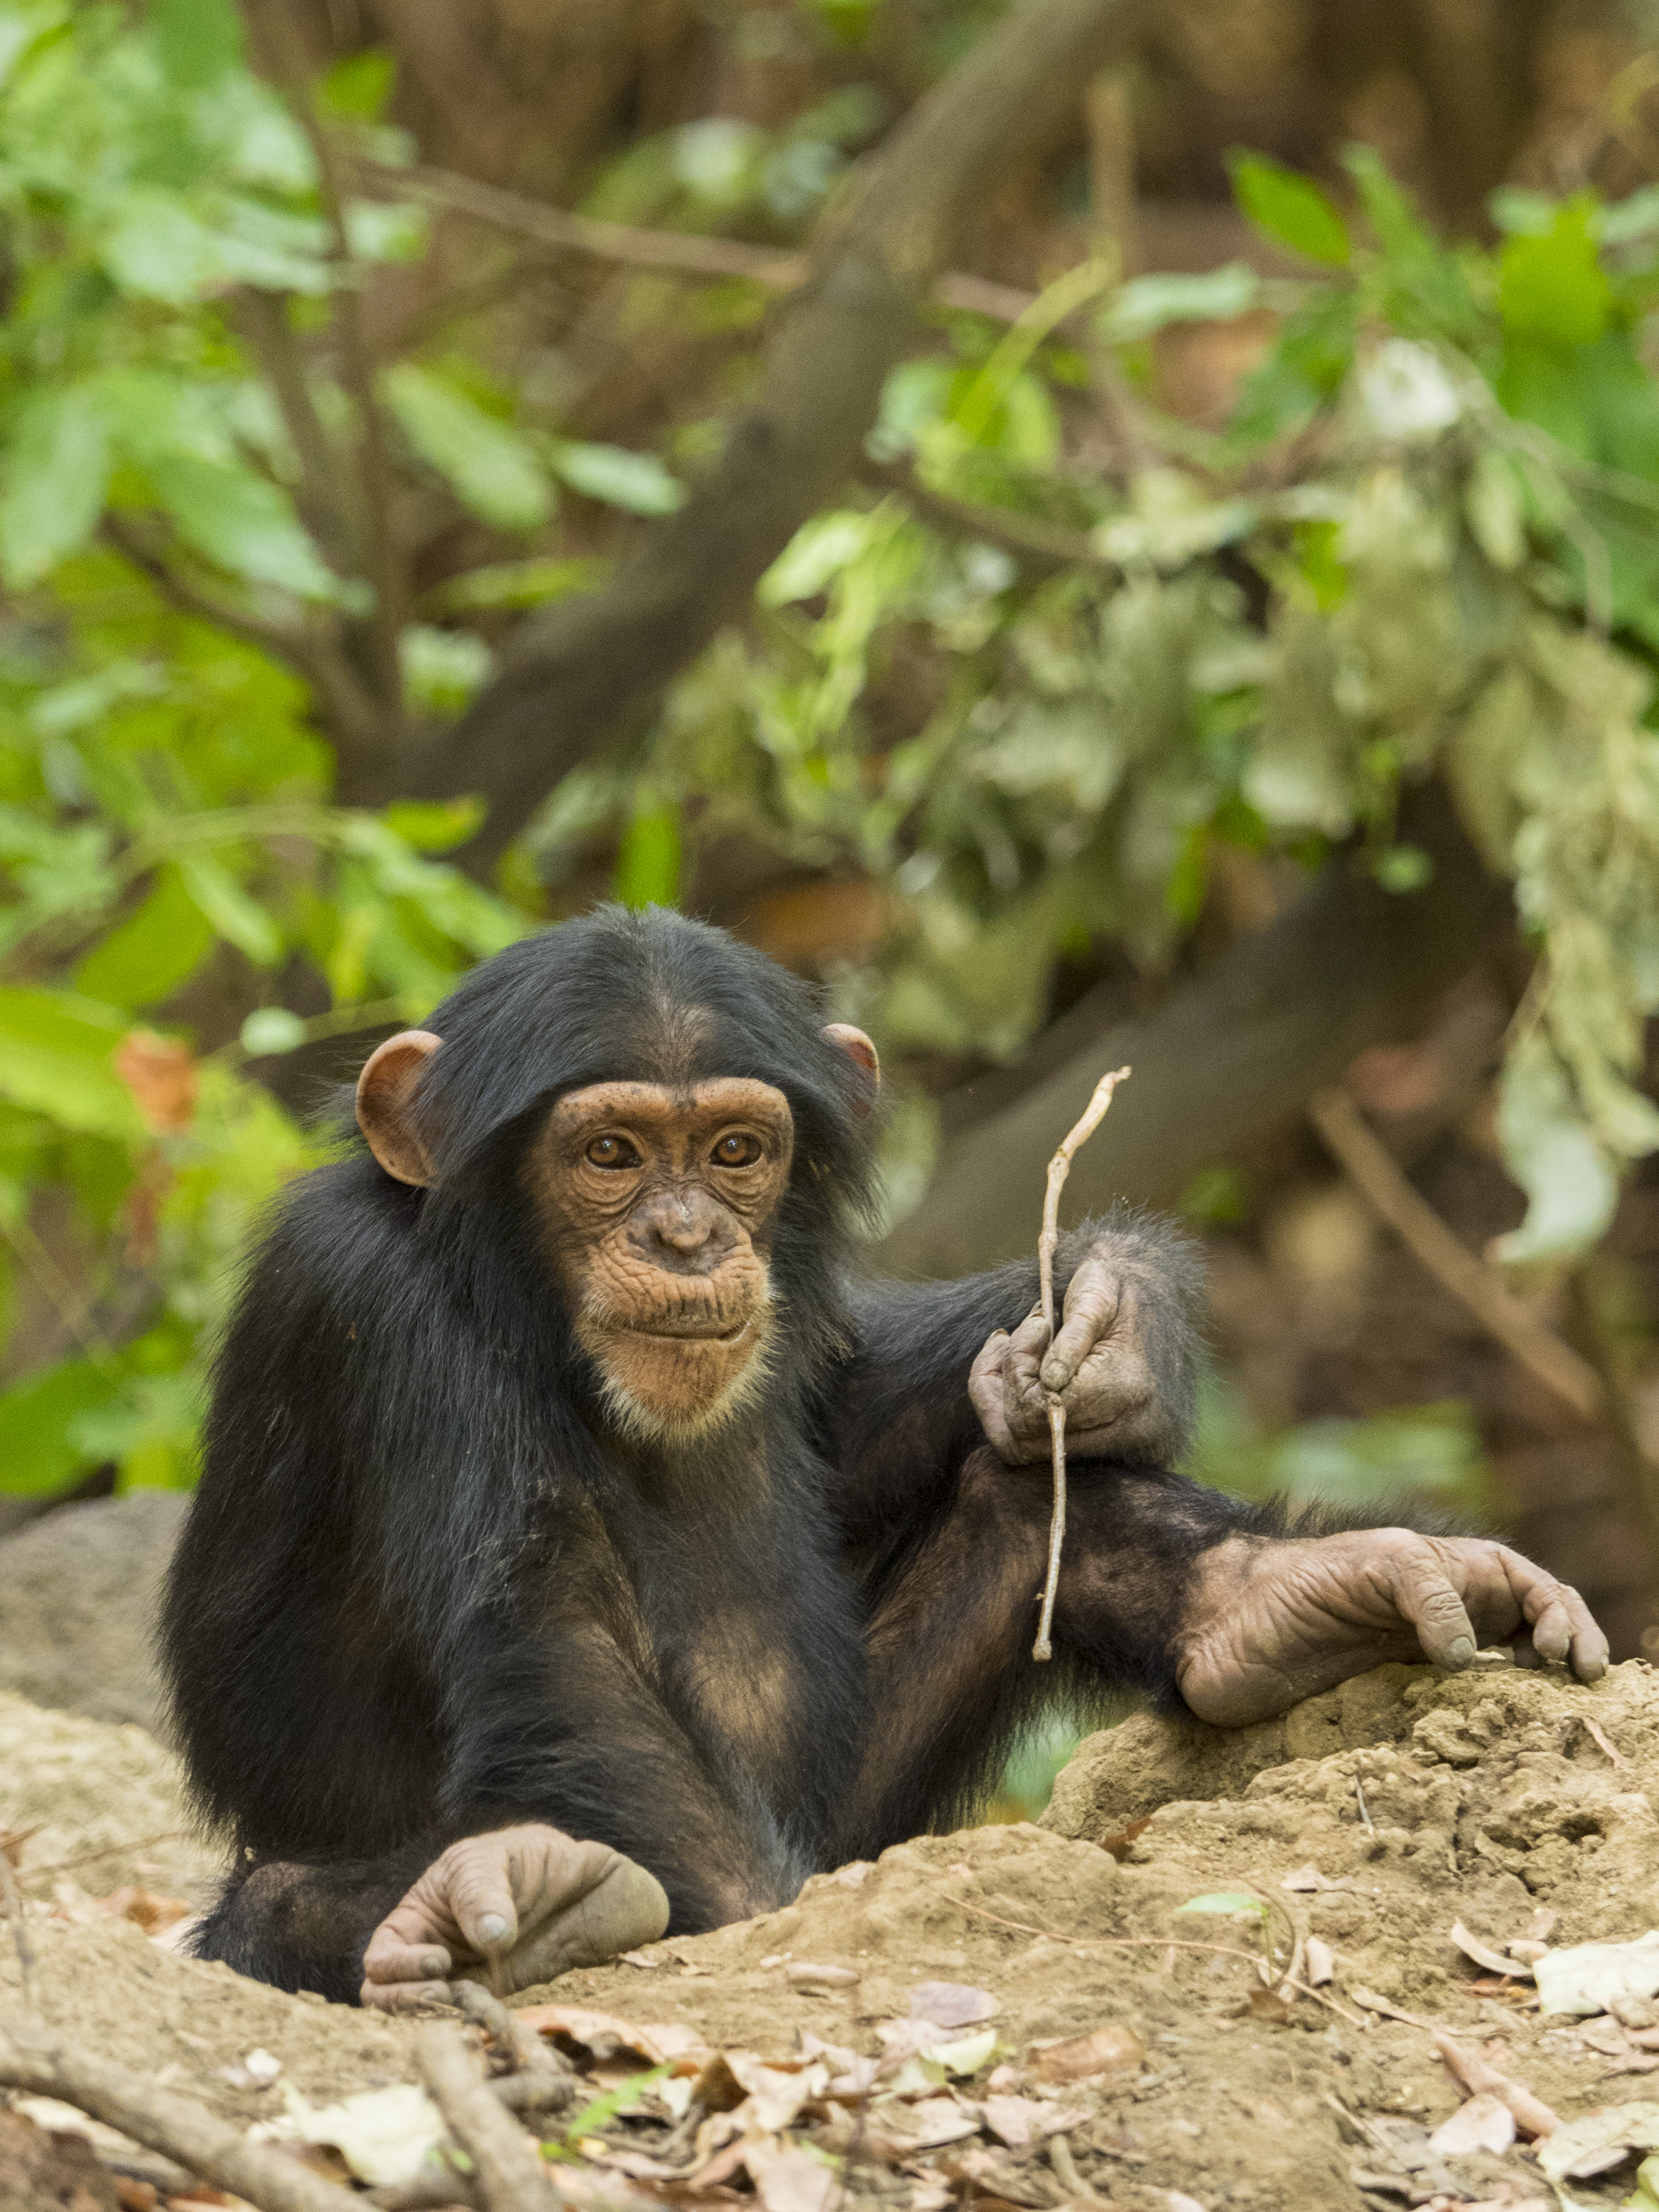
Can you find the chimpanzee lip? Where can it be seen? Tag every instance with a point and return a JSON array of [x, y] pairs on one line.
[[693, 1332]]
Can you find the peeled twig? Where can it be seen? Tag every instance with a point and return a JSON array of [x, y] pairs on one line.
[[545, 2077], [1467, 2068], [35, 2057], [509, 2169], [1058, 1168]]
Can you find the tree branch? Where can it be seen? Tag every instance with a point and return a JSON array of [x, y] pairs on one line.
[[590, 666], [1281, 1013], [686, 253], [1481, 1288]]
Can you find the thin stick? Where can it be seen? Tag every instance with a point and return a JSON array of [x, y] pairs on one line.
[[35, 2057], [1481, 1288], [510, 2172], [1058, 1168]]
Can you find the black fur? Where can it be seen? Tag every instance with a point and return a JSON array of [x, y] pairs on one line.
[[426, 1589]]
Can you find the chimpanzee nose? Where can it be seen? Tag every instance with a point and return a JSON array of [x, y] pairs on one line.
[[683, 1230]]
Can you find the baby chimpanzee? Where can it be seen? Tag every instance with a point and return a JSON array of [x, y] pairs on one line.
[[585, 1549]]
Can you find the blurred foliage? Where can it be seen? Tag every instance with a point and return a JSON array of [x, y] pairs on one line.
[[1024, 694]]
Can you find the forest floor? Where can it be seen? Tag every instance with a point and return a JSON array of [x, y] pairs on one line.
[[1252, 1995]]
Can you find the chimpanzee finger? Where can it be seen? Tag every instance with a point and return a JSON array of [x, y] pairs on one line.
[[405, 1996], [1563, 1626], [400, 1949], [479, 1878], [987, 1393], [1091, 1309], [1433, 1606]]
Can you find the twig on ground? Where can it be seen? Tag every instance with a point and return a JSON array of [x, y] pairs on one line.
[[35, 2057], [1473, 2075], [547, 2077], [511, 2175], [1058, 1168], [1481, 1288], [109, 1851]]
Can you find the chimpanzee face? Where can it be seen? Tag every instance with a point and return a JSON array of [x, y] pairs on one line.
[[656, 1205]]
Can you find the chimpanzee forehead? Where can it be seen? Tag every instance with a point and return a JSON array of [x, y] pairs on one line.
[[711, 1104]]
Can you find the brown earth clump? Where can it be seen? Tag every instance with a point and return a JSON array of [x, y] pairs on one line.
[[1393, 1807]]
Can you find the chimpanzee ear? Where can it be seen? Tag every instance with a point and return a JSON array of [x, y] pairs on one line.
[[858, 1047], [385, 1094]]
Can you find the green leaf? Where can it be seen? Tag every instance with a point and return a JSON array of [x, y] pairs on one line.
[[648, 865], [241, 522], [492, 471], [1226, 1903], [57, 467], [435, 826], [158, 248], [54, 1056], [637, 483], [1289, 208], [1554, 287], [1571, 1189], [236, 917], [39, 1453], [147, 956], [270, 1029], [514, 584], [1146, 304], [359, 88], [199, 41]]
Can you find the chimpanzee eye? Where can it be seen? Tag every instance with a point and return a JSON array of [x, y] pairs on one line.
[[739, 1150], [612, 1152]]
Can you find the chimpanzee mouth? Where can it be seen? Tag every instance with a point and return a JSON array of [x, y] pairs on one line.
[[691, 1331]]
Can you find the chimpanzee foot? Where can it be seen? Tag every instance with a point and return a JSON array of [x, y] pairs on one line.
[[512, 1908], [1273, 1620]]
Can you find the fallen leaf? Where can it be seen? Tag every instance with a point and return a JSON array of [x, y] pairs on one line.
[[1268, 2005], [1305, 1878], [1483, 1954], [1532, 2114], [1114, 2049], [144, 1908], [1484, 2123], [1603, 2139], [787, 2179], [385, 2135], [638, 1958], [1586, 1978], [604, 2035], [1017, 2121], [951, 2004], [1118, 1844], [932, 2121]]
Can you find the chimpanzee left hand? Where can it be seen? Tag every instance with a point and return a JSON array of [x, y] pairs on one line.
[[517, 1906], [1272, 1620], [1096, 1365]]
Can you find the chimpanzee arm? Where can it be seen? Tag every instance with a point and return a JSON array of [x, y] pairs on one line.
[[902, 1422]]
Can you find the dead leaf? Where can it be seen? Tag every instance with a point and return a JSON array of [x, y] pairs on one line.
[[638, 1958], [144, 1908], [161, 1074], [1118, 1845], [1017, 2121], [1484, 2123], [932, 2121], [1114, 2049], [1306, 1878], [1532, 2114], [951, 2004], [1483, 1954], [1590, 2145], [1267, 2004], [604, 2035], [787, 2179]]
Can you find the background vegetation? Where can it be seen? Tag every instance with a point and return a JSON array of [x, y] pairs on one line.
[[1096, 537]]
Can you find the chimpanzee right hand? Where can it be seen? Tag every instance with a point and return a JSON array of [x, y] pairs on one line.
[[512, 1908]]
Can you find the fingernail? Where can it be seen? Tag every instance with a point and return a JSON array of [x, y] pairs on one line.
[[492, 1928], [434, 1967], [1462, 1651]]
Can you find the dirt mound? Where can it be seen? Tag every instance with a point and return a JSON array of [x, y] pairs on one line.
[[100, 1806], [1394, 1809], [78, 1592]]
